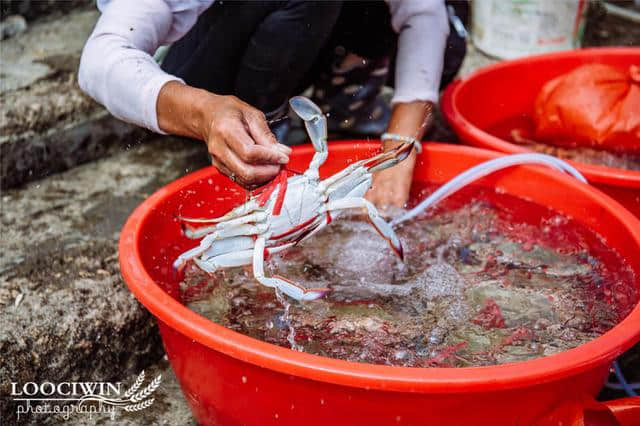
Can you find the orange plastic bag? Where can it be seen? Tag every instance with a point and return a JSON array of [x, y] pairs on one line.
[[594, 105]]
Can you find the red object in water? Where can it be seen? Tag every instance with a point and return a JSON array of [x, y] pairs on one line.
[[441, 359], [518, 335], [594, 105], [232, 379], [509, 89], [490, 316]]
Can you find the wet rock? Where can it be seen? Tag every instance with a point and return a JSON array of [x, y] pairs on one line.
[[65, 313], [515, 304], [539, 259], [47, 124], [12, 25], [22, 54], [43, 8]]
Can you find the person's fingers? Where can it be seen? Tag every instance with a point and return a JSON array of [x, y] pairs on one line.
[[221, 167], [260, 132], [241, 143], [248, 175]]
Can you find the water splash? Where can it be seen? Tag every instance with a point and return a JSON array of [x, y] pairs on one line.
[[286, 319]]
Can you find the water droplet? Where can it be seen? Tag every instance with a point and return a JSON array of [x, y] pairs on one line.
[[244, 379]]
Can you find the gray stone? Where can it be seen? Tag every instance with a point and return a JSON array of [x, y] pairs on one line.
[[42, 8], [12, 25], [47, 124], [36, 53], [65, 313]]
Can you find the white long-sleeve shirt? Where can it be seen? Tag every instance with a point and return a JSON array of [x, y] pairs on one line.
[[117, 68]]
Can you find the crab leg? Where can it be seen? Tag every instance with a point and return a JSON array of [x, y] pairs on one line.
[[207, 241], [316, 125], [228, 245], [227, 260], [251, 206], [287, 287], [383, 228], [341, 174], [202, 231]]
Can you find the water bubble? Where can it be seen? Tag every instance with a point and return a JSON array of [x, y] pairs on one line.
[[400, 355]]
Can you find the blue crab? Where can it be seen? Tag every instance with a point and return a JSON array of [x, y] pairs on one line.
[[290, 210]]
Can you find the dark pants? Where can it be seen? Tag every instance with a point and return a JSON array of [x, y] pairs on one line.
[[264, 52]]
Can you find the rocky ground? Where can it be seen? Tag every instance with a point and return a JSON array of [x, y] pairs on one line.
[[65, 313], [47, 124]]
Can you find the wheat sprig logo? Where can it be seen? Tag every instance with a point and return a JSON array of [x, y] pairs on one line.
[[139, 406], [136, 385], [133, 399]]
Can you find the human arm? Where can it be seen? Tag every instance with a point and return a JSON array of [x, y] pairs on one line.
[[118, 71], [423, 30], [391, 186]]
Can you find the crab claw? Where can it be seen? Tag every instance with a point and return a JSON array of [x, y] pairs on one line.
[[305, 108], [294, 290], [314, 121], [381, 226], [386, 231], [389, 158]]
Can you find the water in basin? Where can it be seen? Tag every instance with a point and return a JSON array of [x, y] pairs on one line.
[[488, 278]]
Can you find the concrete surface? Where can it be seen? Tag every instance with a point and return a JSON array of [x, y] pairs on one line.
[[47, 124], [65, 313]]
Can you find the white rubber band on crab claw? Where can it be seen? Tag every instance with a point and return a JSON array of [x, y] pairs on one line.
[[484, 169], [401, 138]]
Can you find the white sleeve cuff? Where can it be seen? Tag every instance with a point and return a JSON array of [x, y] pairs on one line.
[[400, 97], [151, 90]]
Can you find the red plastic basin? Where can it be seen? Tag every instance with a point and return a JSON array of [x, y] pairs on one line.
[[231, 379], [508, 89]]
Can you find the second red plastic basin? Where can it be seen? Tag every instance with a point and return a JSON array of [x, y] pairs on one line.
[[508, 89], [232, 379]]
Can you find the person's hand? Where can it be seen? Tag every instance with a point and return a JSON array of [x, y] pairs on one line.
[[241, 144], [237, 136], [391, 186]]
